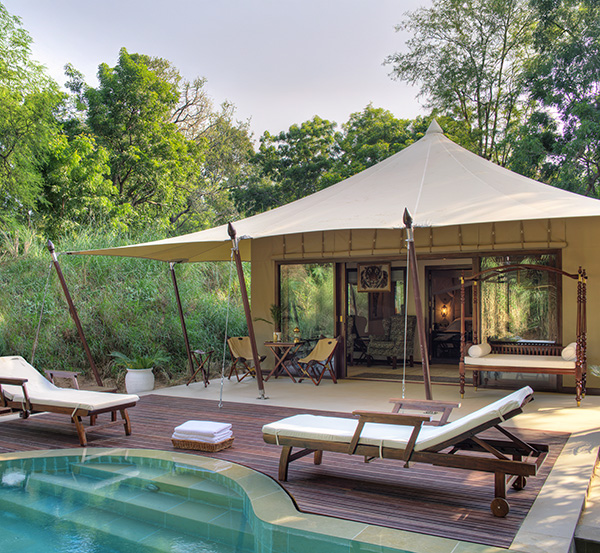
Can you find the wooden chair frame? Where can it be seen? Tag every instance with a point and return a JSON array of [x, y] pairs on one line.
[[315, 369], [248, 370], [27, 407]]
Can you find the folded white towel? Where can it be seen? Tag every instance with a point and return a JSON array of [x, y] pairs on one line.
[[211, 440], [203, 437], [204, 428], [202, 434]]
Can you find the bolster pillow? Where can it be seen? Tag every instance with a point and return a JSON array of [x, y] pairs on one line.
[[570, 352], [479, 350]]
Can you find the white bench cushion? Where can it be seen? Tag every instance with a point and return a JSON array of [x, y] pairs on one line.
[[515, 360]]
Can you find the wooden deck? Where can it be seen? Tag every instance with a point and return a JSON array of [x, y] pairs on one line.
[[441, 502]]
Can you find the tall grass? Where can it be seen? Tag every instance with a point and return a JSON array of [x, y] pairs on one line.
[[124, 304]]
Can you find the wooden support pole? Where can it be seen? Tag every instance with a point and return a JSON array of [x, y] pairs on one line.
[[414, 273], [246, 303], [182, 319], [73, 312]]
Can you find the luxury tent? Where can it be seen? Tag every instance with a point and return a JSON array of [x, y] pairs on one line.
[[464, 208]]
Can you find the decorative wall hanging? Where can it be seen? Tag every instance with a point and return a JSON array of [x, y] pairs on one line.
[[375, 277]]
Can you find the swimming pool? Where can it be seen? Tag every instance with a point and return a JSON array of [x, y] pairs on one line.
[[139, 501]]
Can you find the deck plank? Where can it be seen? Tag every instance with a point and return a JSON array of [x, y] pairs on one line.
[[437, 501]]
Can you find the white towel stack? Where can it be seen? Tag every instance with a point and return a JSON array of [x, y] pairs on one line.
[[203, 431]]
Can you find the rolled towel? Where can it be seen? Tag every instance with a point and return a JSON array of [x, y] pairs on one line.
[[203, 428], [569, 353], [479, 350]]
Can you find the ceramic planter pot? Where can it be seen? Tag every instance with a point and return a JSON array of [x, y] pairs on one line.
[[139, 380]]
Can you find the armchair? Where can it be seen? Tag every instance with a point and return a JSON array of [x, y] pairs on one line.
[[391, 343]]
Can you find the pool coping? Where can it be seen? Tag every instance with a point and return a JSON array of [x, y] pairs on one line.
[[271, 504]]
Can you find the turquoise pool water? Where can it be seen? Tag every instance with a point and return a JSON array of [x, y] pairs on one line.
[[118, 504], [142, 501]]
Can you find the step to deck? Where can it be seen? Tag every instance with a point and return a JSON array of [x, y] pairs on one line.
[[193, 485], [103, 528], [206, 515]]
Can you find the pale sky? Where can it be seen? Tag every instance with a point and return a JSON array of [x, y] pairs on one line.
[[279, 61]]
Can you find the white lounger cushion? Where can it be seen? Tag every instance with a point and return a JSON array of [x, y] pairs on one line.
[[42, 392], [515, 360], [334, 429]]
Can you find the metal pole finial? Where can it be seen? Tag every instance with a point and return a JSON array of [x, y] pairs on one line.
[[407, 219], [231, 231]]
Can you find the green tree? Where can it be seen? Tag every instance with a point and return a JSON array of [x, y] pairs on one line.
[[468, 58], [223, 142], [534, 145], [565, 78], [152, 165], [76, 190], [298, 159], [28, 99], [368, 137]]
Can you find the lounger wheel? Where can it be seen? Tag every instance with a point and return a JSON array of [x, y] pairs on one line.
[[500, 507], [519, 483], [24, 414]]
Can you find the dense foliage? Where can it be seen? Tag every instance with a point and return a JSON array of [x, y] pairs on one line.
[[124, 304], [517, 81]]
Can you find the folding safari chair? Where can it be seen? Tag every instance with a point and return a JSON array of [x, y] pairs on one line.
[[457, 444], [319, 360], [24, 389], [241, 353]]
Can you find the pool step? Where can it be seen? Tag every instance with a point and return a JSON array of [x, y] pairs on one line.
[[108, 530], [193, 485], [216, 522]]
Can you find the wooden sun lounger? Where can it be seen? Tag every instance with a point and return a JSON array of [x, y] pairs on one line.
[[457, 444], [24, 389]]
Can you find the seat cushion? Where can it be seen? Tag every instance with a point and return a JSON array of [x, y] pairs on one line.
[[42, 393], [341, 430], [515, 360]]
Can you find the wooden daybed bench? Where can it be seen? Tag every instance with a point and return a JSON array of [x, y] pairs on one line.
[[537, 357]]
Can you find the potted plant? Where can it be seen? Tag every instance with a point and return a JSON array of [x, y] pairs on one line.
[[276, 320], [139, 377]]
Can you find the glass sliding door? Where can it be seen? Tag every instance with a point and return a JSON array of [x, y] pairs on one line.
[[306, 293], [521, 306]]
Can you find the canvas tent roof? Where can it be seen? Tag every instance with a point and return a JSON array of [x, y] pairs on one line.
[[439, 182]]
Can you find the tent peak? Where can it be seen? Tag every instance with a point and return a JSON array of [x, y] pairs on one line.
[[434, 128]]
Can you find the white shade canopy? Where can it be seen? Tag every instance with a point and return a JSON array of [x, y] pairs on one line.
[[438, 181]]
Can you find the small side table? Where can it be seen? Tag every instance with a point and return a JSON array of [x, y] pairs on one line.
[[202, 360], [283, 351], [72, 376]]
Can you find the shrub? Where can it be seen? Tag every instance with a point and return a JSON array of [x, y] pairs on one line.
[[124, 304]]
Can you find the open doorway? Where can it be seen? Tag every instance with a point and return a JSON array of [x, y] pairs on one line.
[[444, 314], [375, 320]]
